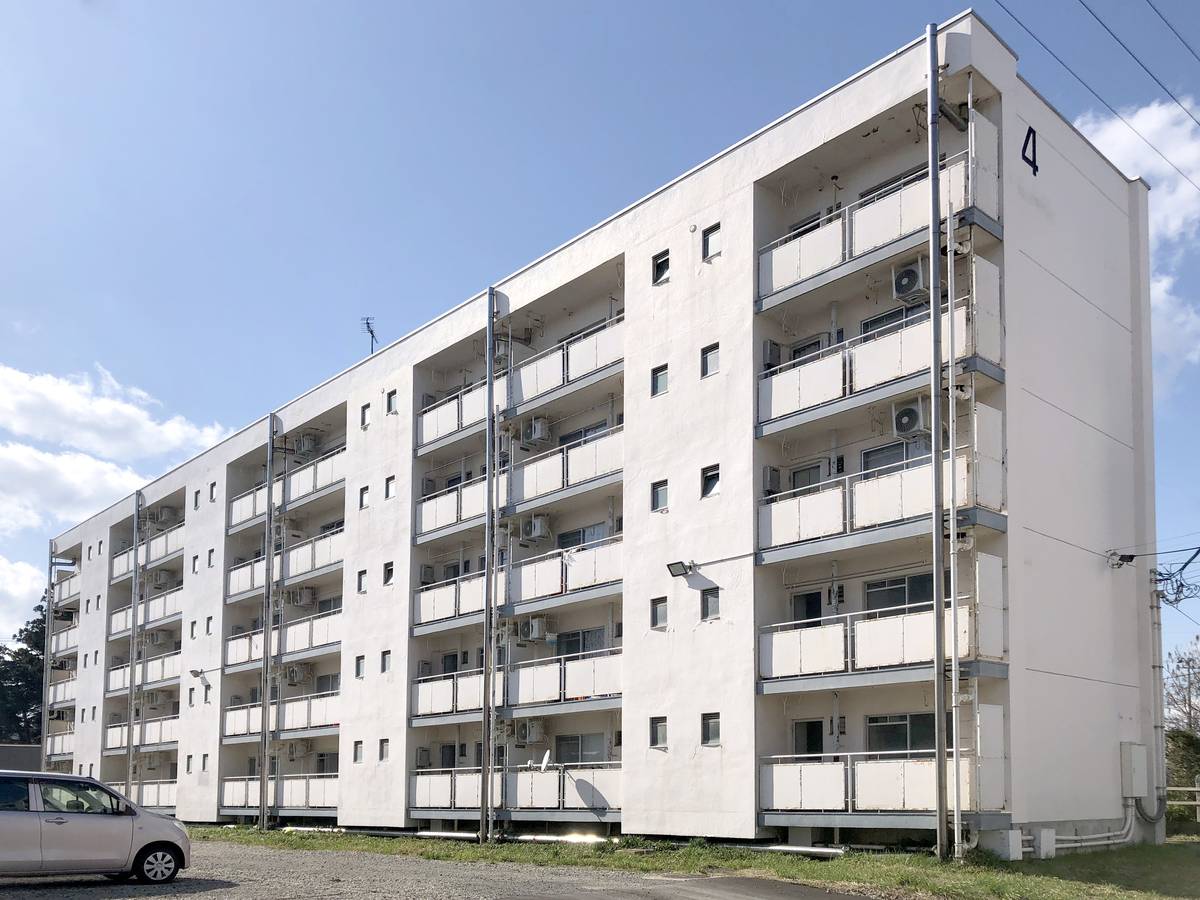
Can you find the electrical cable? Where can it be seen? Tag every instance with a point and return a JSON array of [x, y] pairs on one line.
[[1092, 91], [1174, 30]]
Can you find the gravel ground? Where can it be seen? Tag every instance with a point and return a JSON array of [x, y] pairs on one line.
[[237, 871]]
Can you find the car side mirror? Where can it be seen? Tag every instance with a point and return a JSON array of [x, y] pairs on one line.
[[124, 809]]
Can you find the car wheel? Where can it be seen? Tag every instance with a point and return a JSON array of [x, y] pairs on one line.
[[119, 876], [157, 865]]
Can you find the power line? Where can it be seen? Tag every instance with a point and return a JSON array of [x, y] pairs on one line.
[[1182, 613], [1174, 30], [1159, 540], [1092, 91], [1137, 60]]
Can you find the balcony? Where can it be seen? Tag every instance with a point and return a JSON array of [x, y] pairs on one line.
[[158, 547], [321, 630], [153, 670], [317, 475], [63, 691], [583, 789], [563, 574], [155, 609], [533, 379], [307, 556], [162, 730], [66, 589], [290, 714], [543, 682], [150, 794], [65, 640], [60, 743], [314, 792]]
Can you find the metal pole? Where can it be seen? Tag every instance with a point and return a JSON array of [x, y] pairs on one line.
[[264, 735], [134, 640], [46, 657], [937, 520], [952, 423], [485, 787]]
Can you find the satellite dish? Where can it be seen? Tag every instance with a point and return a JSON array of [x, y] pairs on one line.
[[545, 760]]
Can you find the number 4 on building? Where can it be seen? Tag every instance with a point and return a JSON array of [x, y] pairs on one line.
[[1029, 150]]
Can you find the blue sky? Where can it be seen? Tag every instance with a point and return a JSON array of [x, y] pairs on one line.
[[256, 176]]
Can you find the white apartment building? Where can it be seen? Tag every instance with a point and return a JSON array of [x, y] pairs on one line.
[[732, 372]]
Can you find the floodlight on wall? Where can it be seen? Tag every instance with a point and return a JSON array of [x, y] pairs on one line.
[[681, 569]]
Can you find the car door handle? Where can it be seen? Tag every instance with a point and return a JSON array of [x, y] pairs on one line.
[[58, 821]]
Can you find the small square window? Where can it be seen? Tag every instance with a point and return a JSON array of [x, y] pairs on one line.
[[362, 581], [204, 762], [192, 630], [660, 265], [710, 241], [89, 552], [358, 751], [207, 692], [658, 612], [195, 563], [658, 496], [389, 571], [710, 481], [710, 604], [384, 748], [212, 492], [658, 381], [710, 360], [188, 764], [208, 625], [212, 557], [360, 667], [364, 497], [196, 499], [385, 661], [658, 731], [364, 415], [389, 487], [390, 405], [100, 548], [710, 729]]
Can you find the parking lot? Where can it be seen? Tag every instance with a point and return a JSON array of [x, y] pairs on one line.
[[221, 870]]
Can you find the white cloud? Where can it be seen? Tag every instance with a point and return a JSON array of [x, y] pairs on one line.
[[39, 489], [1174, 219], [96, 414], [21, 587]]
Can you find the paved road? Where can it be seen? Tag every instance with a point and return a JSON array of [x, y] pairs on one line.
[[238, 872]]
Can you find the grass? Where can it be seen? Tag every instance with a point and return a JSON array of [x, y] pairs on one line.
[[1172, 870]]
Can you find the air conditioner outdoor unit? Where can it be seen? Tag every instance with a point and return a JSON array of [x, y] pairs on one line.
[[530, 731], [910, 282], [422, 757], [160, 579], [428, 486], [156, 638], [237, 700], [427, 575], [910, 417], [298, 674], [536, 528], [305, 596], [537, 430], [424, 668], [308, 442], [770, 480], [535, 628], [298, 750]]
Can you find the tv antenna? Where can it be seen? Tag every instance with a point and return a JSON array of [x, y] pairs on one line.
[[368, 327]]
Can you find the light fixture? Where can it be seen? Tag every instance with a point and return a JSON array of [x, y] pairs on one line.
[[196, 673], [680, 569]]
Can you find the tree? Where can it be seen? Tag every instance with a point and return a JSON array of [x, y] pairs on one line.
[[1181, 688], [21, 672]]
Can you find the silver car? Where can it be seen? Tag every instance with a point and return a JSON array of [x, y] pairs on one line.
[[52, 824]]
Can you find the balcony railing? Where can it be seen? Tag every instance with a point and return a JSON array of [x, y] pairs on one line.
[[288, 792], [561, 364], [62, 691], [308, 479], [582, 786], [163, 544], [314, 553], [301, 634], [158, 668], [60, 742], [150, 794], [67, 639], [901, 781], [309, 711], [160, 606], [162, 730], [871, 222], [558, 679], [555, 573], [67, 588]]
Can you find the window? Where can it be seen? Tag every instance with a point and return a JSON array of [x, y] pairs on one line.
[[358, 751], [85, 660], [360, 666], [212, 557], [658, 496], [576, 436], [710, 481], [192, 630], [658, 731], [384, 747], [658, 612], [660, 267], [390, 404], [87, 606], [212, 492], [196, 499], [100, 548], [364, 496], [579, 748], [710, 604], [806, 478], [658, 381], [364, 419], [329, 683], [89, 555], [710, 360], [710, 241], [204, 762], [883, 322], [710, 729], [14, 794], [187, 766], [74, 797], [191, 696], [577, 537], [207, 692], [208, 624], [389, 487], [906, 590], [385, 661], [195, 563], [362, 581], [902, 733], [329, 604], [585, 640], [389, 570]]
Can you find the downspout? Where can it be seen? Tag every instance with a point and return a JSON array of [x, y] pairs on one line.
[[134, 643], [264, 696], [46, 657], [487, 713], [1160, 749], [956, 711]]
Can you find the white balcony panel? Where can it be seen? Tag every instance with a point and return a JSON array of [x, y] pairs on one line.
[[116, 736], [902, 495], [592, 676], [598, 564], [905, 211], [802, 651], [595, 458], [437, 512], [803, 786], [436, 696], [533, 479], [157, 794], [534, 789], [534, 683], [438, 421], [466, 790], [472, 499], [986, 180], [65, 639], [159, 731], [905, 784], [122, 563], [68, 587], [906, 639], [801, 387], [432, 791], [437, 602], [595, 351], [538, 376], [61, 691], [470, 594], [542, 578], [242, 720], [802, 517], [586, 788], [800, 258], [61, 742], [473, 404]]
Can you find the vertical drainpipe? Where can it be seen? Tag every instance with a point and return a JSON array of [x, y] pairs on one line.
[[46, 657], [937, 519], [952, 427], [489, 578], [264, 696], [134, 641]]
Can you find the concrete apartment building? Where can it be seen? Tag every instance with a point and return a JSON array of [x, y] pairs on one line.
[[733, 372]]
